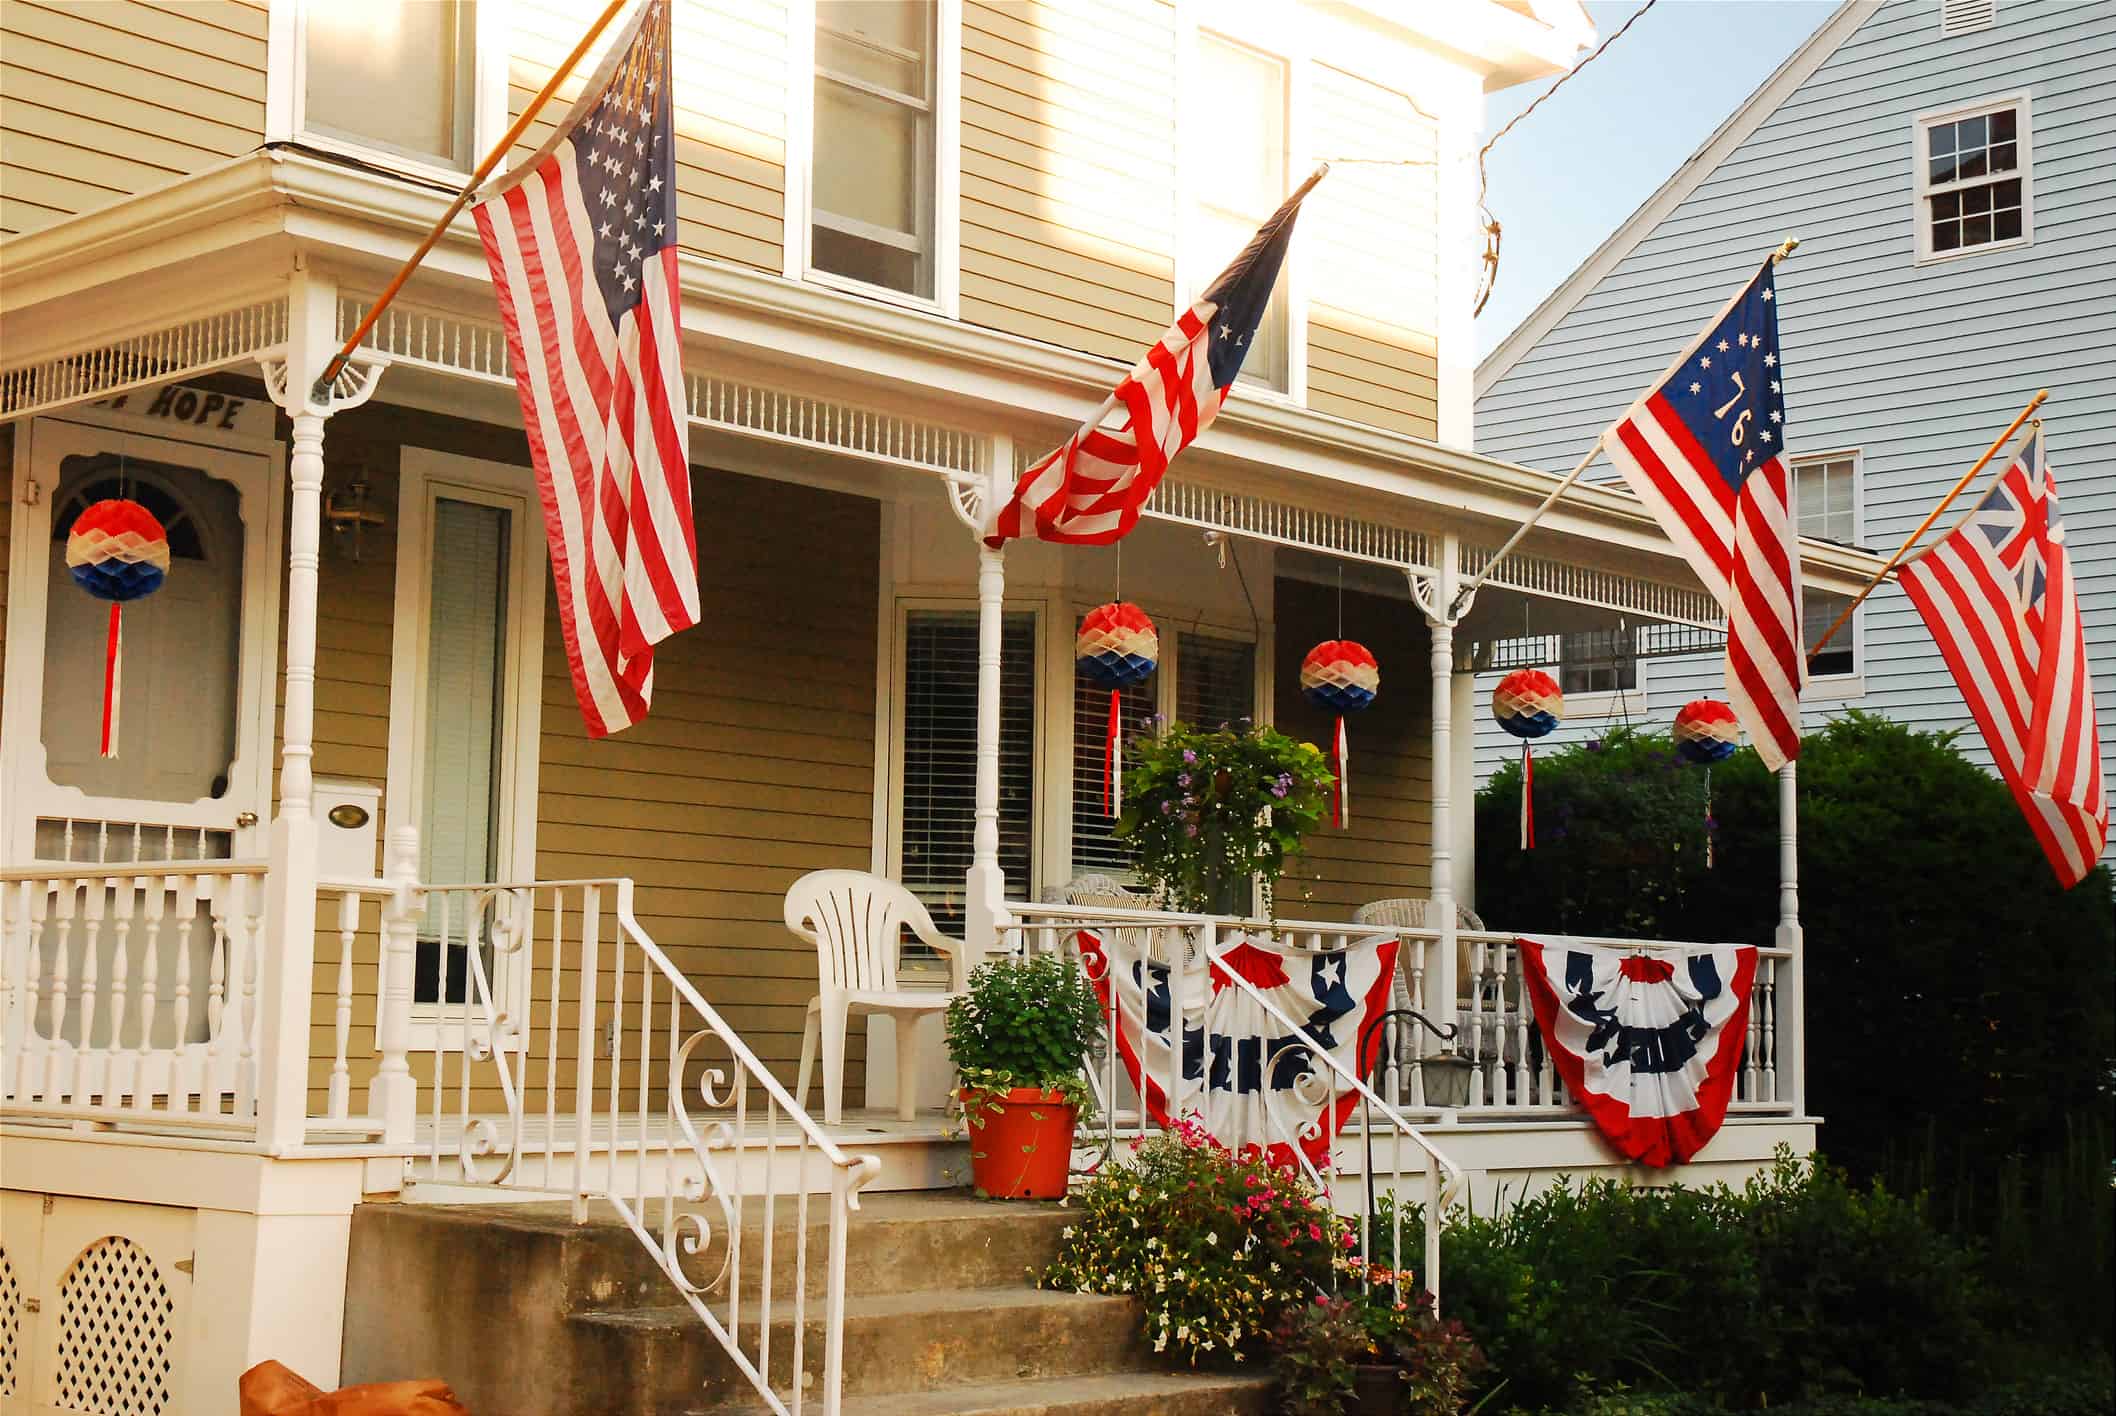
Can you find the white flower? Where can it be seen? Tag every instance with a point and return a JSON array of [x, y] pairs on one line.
[[1161, 1343], [1068, 1233], [1212, 1238], [1135, 1192], [1183, 1333], [1135, 1221]]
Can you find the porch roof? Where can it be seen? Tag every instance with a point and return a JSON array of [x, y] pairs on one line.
[[195, 275]]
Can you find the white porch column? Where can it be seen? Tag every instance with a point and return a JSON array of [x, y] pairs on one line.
[[1790, 1001], [985, 888], [1440, 616], [288, 948]]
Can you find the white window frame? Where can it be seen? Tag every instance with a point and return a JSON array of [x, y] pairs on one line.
[[1623, 703], [286, 92], [798, 230], [1921, 172], [1828, 687], [423, 476], [1261, 28]]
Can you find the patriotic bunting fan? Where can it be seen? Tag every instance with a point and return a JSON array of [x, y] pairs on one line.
[[1340, 676], [1528, 704], [1116, 648], [1706, 731], [116, 551]]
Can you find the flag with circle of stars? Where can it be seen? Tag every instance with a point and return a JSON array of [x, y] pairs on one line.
[[581, 243], [1704, 449]]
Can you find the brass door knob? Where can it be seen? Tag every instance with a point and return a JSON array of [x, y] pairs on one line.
[[246, 818]]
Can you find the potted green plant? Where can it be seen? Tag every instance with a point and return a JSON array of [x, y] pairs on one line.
[[1020, 1036], [1207, 811]]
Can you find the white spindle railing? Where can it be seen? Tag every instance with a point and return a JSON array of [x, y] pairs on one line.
[[1379, 1151], [563, 1053], [115, 1000]]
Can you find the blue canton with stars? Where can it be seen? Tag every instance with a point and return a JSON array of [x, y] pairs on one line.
[[625, 148], [1726, 390]]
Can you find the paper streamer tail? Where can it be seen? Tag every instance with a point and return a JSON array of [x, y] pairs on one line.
[[113, 674], [1708, 818], [1341, 764], [1113, 755], [1528, 797]]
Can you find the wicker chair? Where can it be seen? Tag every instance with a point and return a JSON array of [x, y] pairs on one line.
[[1105, 890], [1416, 912]]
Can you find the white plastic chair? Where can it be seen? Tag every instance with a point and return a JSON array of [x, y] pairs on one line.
[[856, 921]]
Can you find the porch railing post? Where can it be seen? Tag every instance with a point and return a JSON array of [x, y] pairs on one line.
[[393, 1097], [1441, 887], [287, 950], [1789, 1005], [985, 888]]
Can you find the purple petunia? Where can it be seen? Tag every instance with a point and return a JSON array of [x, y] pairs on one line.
[[1190, 828], [1182, 779], [1189, 757], [1167, 807]]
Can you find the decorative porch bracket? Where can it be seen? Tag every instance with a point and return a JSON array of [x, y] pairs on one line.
[[290, 909]]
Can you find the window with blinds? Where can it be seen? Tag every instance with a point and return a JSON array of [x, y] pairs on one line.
[[465, 717], [940, 756], [1215, 680]]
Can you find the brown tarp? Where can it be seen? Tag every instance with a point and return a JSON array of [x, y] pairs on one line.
[[269, 1389]]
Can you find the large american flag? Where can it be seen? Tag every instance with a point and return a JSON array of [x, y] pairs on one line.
[[1090, 489], [1996, 592], [581, 241], [1704, 448]]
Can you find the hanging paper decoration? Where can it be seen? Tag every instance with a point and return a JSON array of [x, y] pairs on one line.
[[1116, 648], [1706, 731], [1340, 676], [1648, 1043], [1528, 704], [116, 551]]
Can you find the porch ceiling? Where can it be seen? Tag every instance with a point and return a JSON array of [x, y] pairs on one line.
[[194, 277]]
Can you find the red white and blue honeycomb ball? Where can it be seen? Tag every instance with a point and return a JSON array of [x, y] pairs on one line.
[[117, 550], [1706, 732], [1340, 676], [1117, 645], [1528, 703]]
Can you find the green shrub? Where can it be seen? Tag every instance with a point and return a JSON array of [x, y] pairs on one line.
[[1025, 1023]]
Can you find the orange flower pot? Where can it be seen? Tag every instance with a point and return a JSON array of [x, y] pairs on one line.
[[1021, 1143]]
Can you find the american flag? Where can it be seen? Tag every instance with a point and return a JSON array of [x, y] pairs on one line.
[[1090, 489], [1704, 448], [581, 241], [1996, 592]]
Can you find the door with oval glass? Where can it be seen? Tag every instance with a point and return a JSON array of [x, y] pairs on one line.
[[191, 779]]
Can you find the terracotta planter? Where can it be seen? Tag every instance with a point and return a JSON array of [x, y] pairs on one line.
[[1377, 1389], [1021, 1144]]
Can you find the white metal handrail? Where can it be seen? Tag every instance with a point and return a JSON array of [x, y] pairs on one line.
[[550, 1023]]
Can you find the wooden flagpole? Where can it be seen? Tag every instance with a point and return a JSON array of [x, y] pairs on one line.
[[1462, 596], [1926, 525], [455, 208]]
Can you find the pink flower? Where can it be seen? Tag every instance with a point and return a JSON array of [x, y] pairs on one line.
[[1315, 1231], [1322, 1300]]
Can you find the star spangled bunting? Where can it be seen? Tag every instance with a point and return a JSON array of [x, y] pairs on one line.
[[1704, 449], [581, 243], [1997, 594], [1090, 489]]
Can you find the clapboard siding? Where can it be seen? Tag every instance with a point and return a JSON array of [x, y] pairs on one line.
[[104, 100], [730, 114], [1373, 257], [1068, 118], [1385, 851], [1918, 367]]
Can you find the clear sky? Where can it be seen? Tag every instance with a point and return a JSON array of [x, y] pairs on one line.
[[1574, 169]]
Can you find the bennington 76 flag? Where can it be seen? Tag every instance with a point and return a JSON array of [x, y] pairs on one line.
[[581, 242], [1249, 1078], [1648, 1043], [1704, 448], [1997, 594], [1090, 489]]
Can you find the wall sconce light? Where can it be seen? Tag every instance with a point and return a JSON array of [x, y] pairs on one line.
[[350, 513]]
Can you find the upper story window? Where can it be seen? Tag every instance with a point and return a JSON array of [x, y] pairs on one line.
[[1826, 506], [1598, 661], [410, 80], [1235, 168], [873, 209], [1973, 179]]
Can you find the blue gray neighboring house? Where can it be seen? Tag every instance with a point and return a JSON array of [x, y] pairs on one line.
[[1950, 170]]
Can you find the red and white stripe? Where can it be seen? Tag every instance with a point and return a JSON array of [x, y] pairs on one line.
[[2023, 671], [1743, 547], [1090, 490], [604, 409]]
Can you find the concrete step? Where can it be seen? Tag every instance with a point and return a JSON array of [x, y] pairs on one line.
[[894, 1343], [1108, 1394]]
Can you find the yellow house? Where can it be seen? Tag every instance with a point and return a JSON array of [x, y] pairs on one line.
[[362, 911]]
